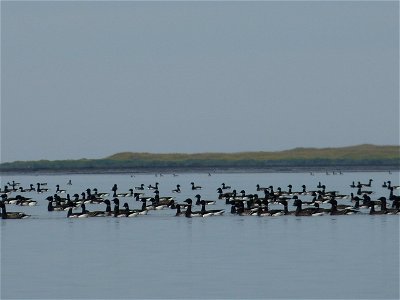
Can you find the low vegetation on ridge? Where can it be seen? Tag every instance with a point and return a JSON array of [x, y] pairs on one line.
[[354, 156]]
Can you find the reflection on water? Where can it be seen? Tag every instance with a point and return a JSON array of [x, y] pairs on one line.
[[234, 257]]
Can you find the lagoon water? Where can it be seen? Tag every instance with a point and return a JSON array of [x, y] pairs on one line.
[[49, 256]]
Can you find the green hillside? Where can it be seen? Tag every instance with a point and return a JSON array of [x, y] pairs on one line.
[[361, 156], [361, 152]]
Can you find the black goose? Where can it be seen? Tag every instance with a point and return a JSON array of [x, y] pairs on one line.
[[178, 189], [259, 188], [225, 187], [179, 213], [39, 189], [375, 212], [389, 211], [58, 206], [116, 207], [11, 215], [126, 212], [140, 188], [100, 194], [58, 190], [335, 211], [222, 195], [396, 187], [304, 212], [128, 194], [155, 187], [83, 214], [213, 212], [99, 213], [199, 200], [195, 187], [189, 213], [367, 184], [114, 190]]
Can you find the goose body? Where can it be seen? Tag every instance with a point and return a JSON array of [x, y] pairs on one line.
[[335, 211], [178, 189], [199, 201], [151, 187], [126, 212], [100, 194], [195, 187], [58, 190], [225, 187], [140, 188], [11, 215], [305, 212], [128, 194], [189, 213]]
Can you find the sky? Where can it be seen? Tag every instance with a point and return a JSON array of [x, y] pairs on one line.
[[91, 79]]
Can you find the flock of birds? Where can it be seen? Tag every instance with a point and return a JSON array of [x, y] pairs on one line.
[[240, 203]]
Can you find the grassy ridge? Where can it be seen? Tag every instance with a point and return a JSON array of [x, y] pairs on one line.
[[361, 152], [355, 156]]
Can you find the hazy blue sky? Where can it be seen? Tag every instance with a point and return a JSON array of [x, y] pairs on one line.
[[89, 79]]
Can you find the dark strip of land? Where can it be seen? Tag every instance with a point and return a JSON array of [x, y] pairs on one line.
[[361, 157]]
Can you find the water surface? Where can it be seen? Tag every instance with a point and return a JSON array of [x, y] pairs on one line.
[[230, 257]]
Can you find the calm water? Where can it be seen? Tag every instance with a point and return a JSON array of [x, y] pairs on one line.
[[229, 257]]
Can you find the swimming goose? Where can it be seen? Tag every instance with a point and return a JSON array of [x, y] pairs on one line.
[[22, 190], [83, 214], [86, 213], [259, 188], [126, 212], [320, 209], [100, 194], [305, 212], [389, 211], [179, 213], [155, 187], [195, 187], [367, 184], [189, 213], [128, 194], [164, 200], [114, 190], [23, 201], [116, 207], [39, 189], [212, 212], [396, 187], [335, 211], [58, 190], [225, 187], [31, 188], [18, 200], [222, 195], [155, 205], [178, 189], [239, 209], [285, 207], [207, 202], [11, 215], [140, 188], [6, 190], [50, 206], [375, 212]]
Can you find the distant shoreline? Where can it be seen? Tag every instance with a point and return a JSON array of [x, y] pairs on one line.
[[300, 169], [355, 158]]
